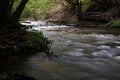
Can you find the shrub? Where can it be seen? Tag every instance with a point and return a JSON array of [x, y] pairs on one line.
[[21, 42], [32, 42], [113, 24]]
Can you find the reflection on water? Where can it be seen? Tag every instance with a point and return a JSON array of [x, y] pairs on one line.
[[82, 57]]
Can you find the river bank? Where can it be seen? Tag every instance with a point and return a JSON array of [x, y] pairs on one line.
[[88, 30]]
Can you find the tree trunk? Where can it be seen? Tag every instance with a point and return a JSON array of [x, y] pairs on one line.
[[6, 16], [16, 15], [79, 12], [4, 12], [118, 7], [11, 5]]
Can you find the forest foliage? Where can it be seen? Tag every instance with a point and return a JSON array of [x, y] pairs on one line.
[[40, 9], [36, 9]]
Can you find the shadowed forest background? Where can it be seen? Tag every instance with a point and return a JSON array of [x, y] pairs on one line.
[[58, 10]]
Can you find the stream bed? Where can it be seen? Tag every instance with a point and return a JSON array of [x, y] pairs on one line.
[[91, 56]]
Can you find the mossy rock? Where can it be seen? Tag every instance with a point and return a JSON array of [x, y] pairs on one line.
[[33, 41], [27, 43]]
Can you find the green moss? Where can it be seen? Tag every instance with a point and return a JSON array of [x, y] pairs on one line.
[[32, 42], [21, 42], [113, 24]]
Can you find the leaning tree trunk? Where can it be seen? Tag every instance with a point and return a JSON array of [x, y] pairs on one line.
[[6, 16], [16, 15]]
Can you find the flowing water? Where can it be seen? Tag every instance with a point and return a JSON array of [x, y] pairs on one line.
[[90, 56]]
